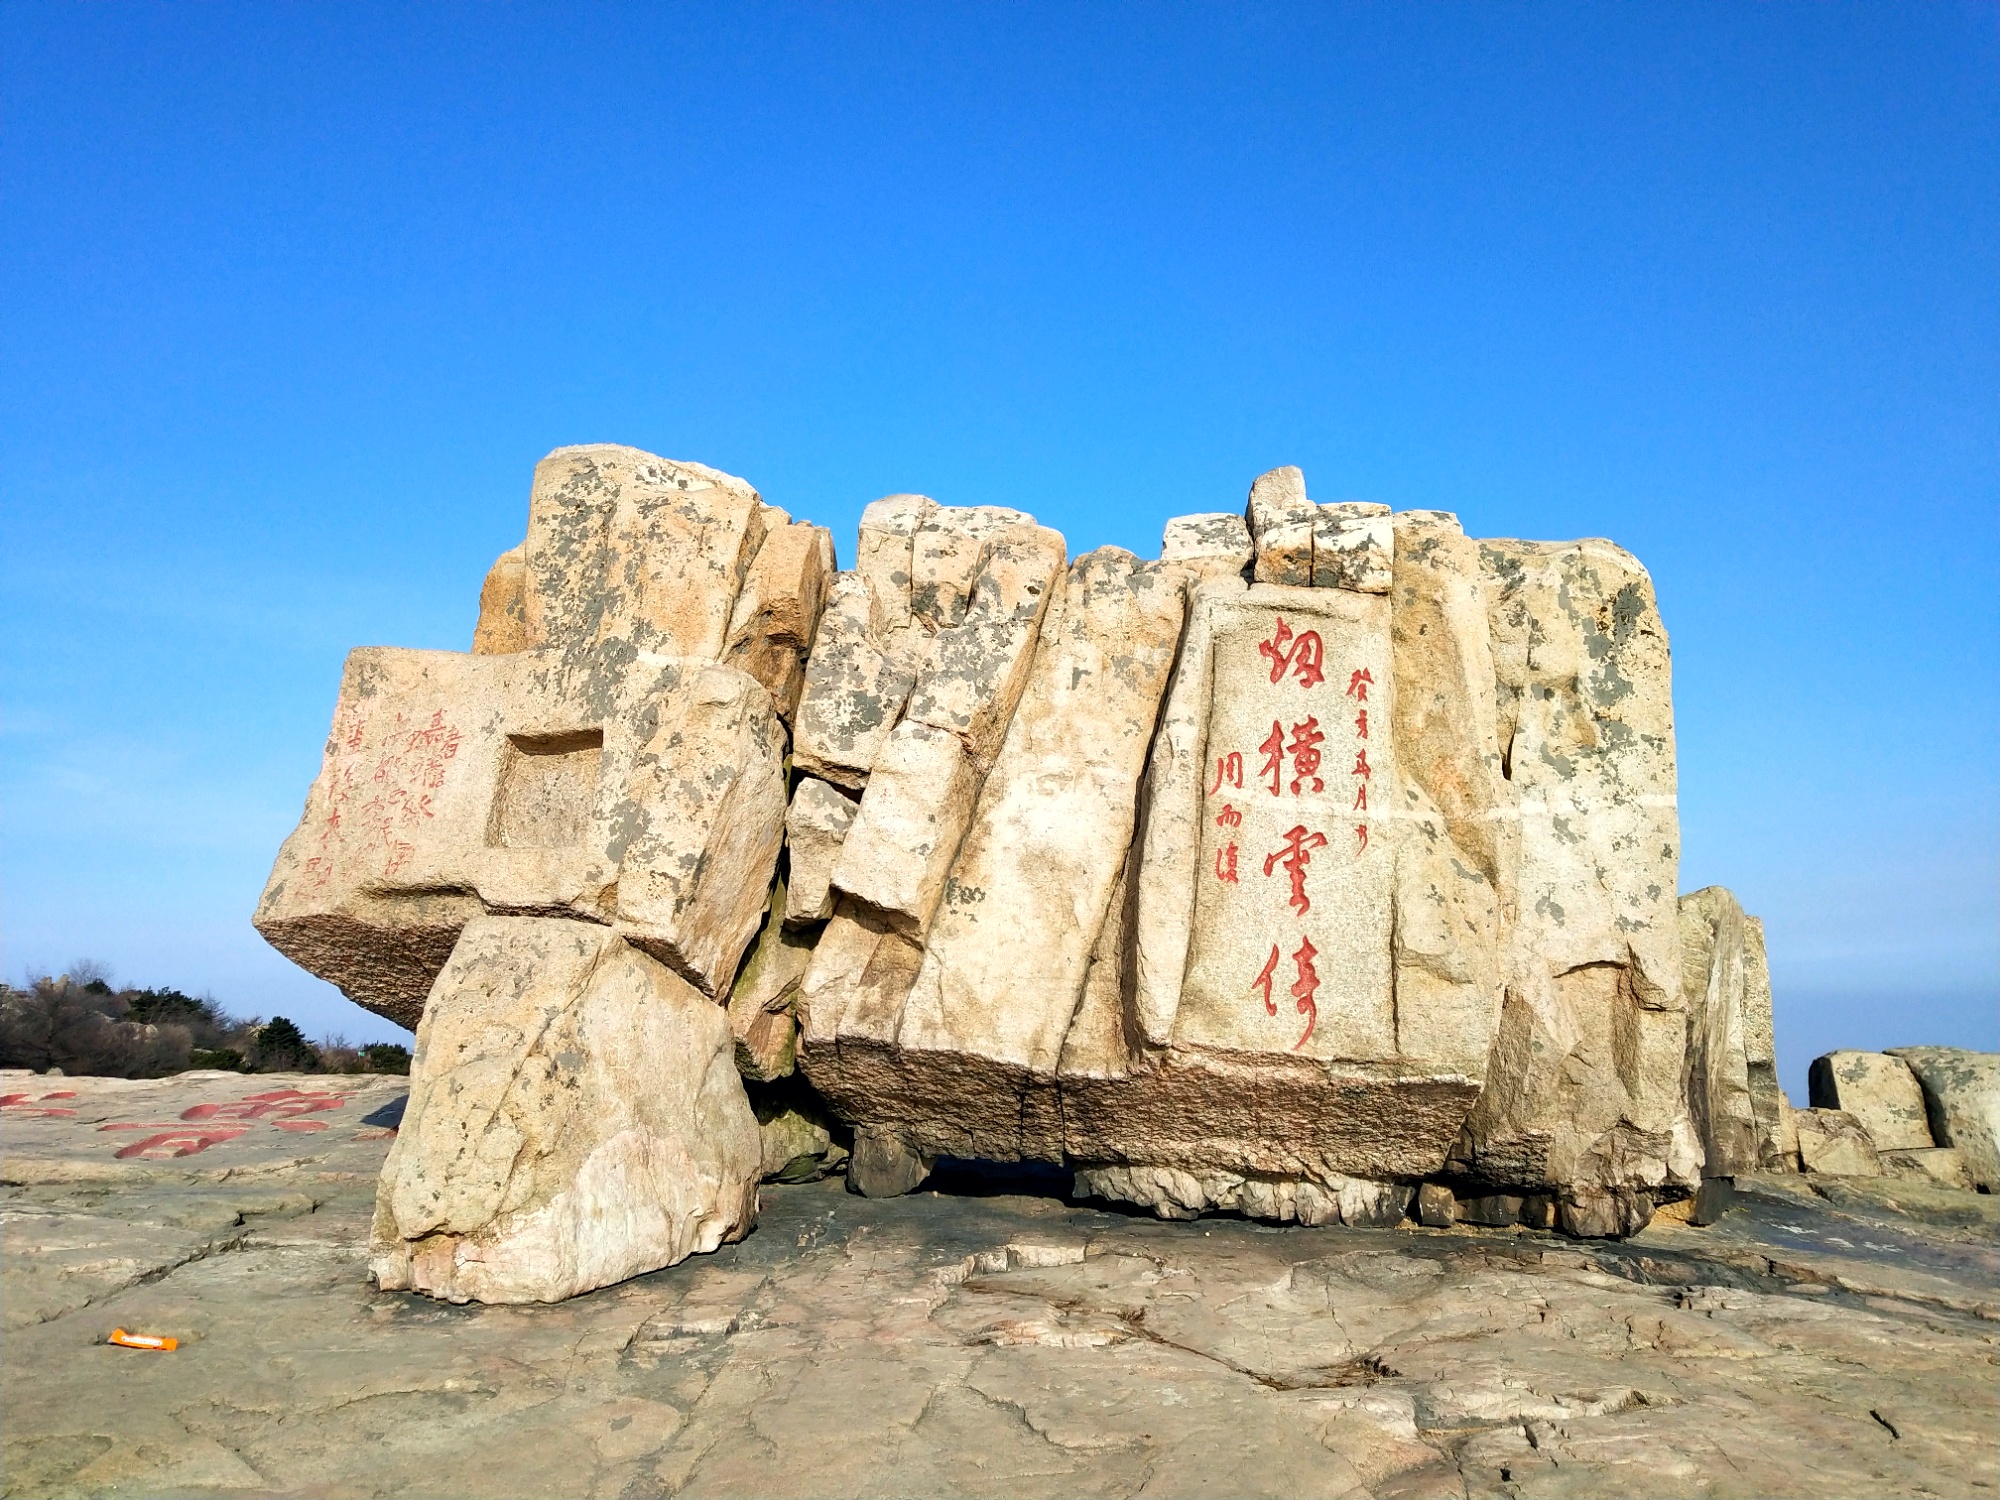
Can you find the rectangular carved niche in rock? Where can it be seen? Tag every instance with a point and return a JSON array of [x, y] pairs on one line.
[[547, 788], [1291, 940]]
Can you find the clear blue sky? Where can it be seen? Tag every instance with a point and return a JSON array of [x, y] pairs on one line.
[[292, 298]]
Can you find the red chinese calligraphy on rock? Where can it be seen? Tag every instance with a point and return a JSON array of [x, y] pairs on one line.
[[1305, 987], [1263, 980], [1295, 855], [1225, 865], [1229, 817], [1228, 768], [1303, 655], [1304, 751], [1358, 683]]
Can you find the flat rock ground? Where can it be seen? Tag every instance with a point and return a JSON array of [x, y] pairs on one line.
[[988, 1339]]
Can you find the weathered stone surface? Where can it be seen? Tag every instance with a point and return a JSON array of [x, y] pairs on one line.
[[885, 1164], [935, 627], [1878, 1090], [959, 1344], [763, 1004], [650, 797], [1456, 839], [816, 825], [1583, 1092], [796, 1134], [1034, 877], [776, 615], [1204, 1074], [977, 667], [1943, 1164], [1030, 884], [1354, 547], [855, 691], [1209, 546], [503, 607], [575, 1119], [1835, 1143], [1760, 1042], [1175, 1194], [630, 552], [702, 825], [900, 847], [1715, 981], [1962, 1099], [1282, 521]]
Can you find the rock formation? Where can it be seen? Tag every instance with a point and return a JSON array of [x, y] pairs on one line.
[[1330, 856]]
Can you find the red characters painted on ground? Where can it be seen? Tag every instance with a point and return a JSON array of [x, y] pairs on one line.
[[1303, 655], [42, 1108], [171, 1141], [276, 1105], [1295, 855]]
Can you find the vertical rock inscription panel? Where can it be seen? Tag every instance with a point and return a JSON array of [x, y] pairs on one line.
[[1291, 949]]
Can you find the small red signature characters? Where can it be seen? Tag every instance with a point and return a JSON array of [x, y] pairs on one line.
[[1303, 655], [1295, 855], [1358, 683], [1228, 768]]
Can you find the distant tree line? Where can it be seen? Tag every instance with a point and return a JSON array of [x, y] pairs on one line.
[[79, 1023]]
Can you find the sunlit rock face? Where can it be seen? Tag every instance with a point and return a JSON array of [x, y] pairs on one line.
[[1330, 853]]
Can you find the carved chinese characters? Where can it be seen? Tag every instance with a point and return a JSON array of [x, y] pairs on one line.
[[1291, 928]]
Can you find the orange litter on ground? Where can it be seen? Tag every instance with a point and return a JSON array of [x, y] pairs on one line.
[[142, 1340]]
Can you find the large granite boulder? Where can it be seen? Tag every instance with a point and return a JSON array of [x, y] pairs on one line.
[[649, 797], [575, 1118], [1962, 1101], [1584, 1090], [1878, 1090], [1332, 854]]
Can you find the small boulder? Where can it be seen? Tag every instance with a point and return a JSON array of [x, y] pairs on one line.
[[1836, 1144], [1962, 1099], [1878, 1090]]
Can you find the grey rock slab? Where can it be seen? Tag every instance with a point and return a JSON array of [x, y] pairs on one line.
[[1878, 1090], [575, 1119], [630, 551], [966, 1345], [646, 794], [1282, 521], [816, 825], [1962, 1097], [1215, 545]]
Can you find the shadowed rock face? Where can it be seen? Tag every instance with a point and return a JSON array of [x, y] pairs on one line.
[[1332, 853]]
